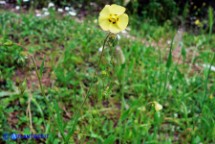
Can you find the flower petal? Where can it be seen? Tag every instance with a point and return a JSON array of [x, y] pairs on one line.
[[105, 11], [116, 9], [114, 28], [123, 21], [104, 23]]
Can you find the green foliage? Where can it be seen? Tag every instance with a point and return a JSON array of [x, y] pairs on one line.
[[160, 10], [11, 53], [11, 57]]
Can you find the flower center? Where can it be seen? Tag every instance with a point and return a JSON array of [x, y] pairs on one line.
[[113, 18]]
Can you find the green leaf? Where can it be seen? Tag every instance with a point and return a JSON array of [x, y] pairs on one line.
[[59, 120], [110, 140], [169, 60], [8, 43], [38, 106], [211, 19], [96, 136], [7, 93]]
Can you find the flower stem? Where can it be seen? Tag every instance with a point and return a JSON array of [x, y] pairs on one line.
[[103, 47], [39, 77]]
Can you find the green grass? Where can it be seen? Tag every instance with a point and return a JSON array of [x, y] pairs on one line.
[[119, 107]]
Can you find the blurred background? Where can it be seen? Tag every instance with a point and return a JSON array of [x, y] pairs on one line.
[[180, 12]]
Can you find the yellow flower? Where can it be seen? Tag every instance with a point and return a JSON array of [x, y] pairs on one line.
[[198, 23], [113, 19], [158, 106]]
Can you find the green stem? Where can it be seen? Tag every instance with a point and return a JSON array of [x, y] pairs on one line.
[[103, 47], [206, 81], [168, 65], [39, 77]]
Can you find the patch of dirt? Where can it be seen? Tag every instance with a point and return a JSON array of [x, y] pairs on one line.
[[13, 119], [29, 74]]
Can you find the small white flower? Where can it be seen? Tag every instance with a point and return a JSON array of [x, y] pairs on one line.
[[72, 13], [46, 13], [2, 2], [17, 7], [60, 10], [25, 0], [67, 8], [45, 9], [51, 5], [100, 49], [207, 66], [169, 42], [38, 15]]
